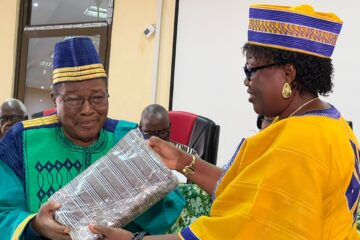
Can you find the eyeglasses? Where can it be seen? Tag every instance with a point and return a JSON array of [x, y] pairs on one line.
[[96, 101], [163, 133], [11, 118], [250, 71]]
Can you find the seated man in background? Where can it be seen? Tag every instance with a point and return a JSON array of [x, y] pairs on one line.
[[11, 112], [44, 113], [38, 157], [155, 122]]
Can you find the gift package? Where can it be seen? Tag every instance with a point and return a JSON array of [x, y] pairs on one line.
[[115, 189]]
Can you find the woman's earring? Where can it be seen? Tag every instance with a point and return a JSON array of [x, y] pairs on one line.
[[286, 91]]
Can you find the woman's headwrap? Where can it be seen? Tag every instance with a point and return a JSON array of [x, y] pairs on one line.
[[298, 29]]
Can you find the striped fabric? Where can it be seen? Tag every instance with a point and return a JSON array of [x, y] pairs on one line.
[[78, 73], [298, 29], [115, 189], [76, 59]]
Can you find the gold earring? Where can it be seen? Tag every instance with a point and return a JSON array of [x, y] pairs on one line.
[[286, 91]]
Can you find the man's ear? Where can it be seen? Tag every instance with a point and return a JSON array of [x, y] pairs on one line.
[[289, 72], [53, 98]]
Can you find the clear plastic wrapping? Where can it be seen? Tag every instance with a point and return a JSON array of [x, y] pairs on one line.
[[114, 190]]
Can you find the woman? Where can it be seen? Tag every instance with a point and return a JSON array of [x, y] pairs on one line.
[[298, 178]]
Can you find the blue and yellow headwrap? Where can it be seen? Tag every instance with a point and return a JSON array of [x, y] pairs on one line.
[[298, 29], [76, 59]]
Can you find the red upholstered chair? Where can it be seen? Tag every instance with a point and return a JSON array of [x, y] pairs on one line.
[[46, 112], [197, 132]]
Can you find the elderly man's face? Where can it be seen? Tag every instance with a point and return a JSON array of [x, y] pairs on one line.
[[10, 113], [159, 127], [82, 109]]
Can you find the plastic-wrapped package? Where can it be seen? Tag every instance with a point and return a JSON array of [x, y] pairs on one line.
[[114, 190]]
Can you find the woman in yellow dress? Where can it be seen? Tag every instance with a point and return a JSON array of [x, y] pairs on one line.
[[298, 178]]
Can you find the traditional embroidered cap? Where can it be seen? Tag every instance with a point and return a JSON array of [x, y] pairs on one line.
[[298, 29], [76, 59]]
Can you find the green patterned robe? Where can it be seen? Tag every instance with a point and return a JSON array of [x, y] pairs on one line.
[[36, 159]]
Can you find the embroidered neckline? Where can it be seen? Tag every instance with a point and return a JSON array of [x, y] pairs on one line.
[[331, 112], [96, 147]]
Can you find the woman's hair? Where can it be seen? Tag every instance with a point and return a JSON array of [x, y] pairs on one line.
[[313, 74]]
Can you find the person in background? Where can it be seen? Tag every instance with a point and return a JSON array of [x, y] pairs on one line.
[[155, 122], [39, 156], [299, 178], [43, 113], [263, 122], [11, 112]]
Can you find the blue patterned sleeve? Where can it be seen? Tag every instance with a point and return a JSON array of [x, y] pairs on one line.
[[11, 149], [13, 214]]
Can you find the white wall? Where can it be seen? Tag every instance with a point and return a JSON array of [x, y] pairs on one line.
[[208, 71], [8, 38]]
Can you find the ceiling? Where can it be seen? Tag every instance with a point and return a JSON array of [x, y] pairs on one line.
[[64, 11], [40, 50]]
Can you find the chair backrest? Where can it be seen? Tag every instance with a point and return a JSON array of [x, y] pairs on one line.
[[44, 113], [197, 132]]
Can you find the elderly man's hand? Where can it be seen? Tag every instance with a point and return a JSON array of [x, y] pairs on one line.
[[109, 233], [45, 225]]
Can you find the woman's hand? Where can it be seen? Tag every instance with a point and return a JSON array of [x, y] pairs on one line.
[[172, 157], [45, 225], [206, 175], [109, 233]]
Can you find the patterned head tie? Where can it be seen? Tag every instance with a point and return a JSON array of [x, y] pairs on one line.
[[76, 59], [298, 29]]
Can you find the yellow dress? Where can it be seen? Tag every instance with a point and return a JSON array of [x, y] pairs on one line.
[[297, 179]]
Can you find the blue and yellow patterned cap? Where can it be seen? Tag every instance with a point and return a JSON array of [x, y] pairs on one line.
[[298, 29], [76, 59]]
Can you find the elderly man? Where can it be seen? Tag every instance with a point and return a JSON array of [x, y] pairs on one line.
[[11, 112], [155, 122], [37, 157]]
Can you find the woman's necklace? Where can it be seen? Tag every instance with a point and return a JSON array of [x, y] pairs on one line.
[[299, 108]]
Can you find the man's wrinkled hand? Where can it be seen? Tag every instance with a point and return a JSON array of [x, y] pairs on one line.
[[45, 224]]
